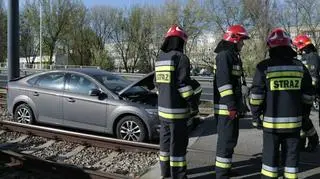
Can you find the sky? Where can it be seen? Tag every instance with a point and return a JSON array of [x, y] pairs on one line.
[[121, 3]]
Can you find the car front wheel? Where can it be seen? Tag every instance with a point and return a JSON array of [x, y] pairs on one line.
[[23, 114], [131, 128]]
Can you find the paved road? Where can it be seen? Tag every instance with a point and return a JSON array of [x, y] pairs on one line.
[[247, 157]]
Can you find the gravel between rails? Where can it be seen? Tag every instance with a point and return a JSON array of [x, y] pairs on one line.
[[88, 157], [30, 143], [128, 163], [7, 136], [51, 152], [105, 160], [3, 112]]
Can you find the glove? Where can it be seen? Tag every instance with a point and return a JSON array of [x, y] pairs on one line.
[[303, 144], [257, 123], [313, 142], [232, 114], [194, 108]]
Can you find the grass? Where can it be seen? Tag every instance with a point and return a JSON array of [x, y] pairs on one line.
[[206, 107], [206, 104], [3, 90]]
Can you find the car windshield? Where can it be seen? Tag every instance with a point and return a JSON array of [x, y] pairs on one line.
[[117, 83]]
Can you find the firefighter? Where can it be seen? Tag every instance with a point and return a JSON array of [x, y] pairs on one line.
[[311, 60], [281, 92], [228, 96], [175, 94]]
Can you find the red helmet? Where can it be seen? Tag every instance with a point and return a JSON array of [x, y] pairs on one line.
[[235, 33], [301, 41], [176, 31], [278, 37]]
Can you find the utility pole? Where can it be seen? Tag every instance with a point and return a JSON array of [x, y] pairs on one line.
[[40, 35], [13, 39]]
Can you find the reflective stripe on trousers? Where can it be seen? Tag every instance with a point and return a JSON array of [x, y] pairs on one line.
[[221, 109], [223, 162], [291, 172], [269, 171], [173, 113], [225, 90], [178, 161]]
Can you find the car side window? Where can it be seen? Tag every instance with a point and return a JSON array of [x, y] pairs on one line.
[[53, 81], [79, 84], [33, 80]]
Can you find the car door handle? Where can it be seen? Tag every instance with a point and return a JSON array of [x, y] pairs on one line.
[[71, 100], [35, 94]]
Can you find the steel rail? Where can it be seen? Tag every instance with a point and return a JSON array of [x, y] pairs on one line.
[[80, 138], [52, 169]]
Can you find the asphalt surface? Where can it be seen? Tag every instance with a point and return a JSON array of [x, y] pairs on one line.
[[247, 155]]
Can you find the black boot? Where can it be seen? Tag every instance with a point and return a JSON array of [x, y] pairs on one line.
[[313, 142], [303, 144]]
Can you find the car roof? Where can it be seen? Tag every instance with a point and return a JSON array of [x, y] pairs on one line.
[[88, 71]]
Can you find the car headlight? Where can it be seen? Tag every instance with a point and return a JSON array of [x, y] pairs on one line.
[[152, 111]]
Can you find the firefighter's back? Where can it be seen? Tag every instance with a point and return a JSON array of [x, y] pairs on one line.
[[283, 101], [166, 77]]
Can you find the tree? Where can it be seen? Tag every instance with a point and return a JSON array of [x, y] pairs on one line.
[[258, 17], [78, 41], [29, 31], [193, 19], [288, 16], [120, 39], [129, 37], [150, 40], [3, 32], [158, 24], [139, 35], [221, 14], [301, 17], [102, 23], [103, 60], [56, 22], [261, 20]]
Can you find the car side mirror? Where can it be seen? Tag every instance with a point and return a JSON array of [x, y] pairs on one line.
[[94, 92]]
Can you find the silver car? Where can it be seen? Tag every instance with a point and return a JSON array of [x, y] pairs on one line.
[[89, 99]]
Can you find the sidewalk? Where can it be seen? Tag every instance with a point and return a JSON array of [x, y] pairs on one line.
[[247, 157]]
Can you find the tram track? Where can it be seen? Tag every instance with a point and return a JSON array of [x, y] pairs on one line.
[[60, 151]]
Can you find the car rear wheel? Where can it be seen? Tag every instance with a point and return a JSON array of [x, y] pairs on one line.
[[131, 128], [23, 114]]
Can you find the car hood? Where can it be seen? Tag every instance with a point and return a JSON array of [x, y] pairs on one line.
[[146, 81]]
